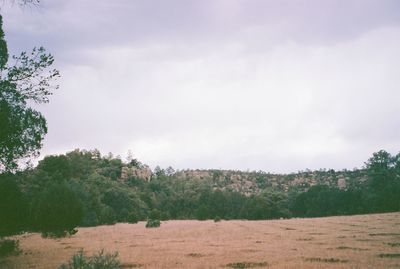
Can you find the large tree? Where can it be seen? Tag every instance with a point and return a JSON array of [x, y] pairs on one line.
[[27, 80]]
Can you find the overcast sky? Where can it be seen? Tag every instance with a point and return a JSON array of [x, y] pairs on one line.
[[278, 86]]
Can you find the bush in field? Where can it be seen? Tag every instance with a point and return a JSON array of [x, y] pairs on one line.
[[99, 260], [57, 211], [153, 223], [217, 219], [9, 247]]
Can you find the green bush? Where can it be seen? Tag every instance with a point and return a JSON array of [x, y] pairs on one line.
[[153, 223], [13, 206], [155, 214], [58, 233], [9, 247], [108, 216], [132, 218], [57, 211], [99, 260], [217, 219], [202, 213]]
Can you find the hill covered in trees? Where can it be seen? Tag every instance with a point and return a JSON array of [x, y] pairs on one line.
[[89, 189]]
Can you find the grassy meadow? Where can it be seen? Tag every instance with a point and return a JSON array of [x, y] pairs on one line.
[[363, 241]]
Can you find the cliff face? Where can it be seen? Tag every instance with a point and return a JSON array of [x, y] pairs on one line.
[[143, 172], [255, 182]]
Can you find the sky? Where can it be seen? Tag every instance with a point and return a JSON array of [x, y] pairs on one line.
[[278, 86]]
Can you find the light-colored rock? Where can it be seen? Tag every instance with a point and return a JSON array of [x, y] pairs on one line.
[[341, 183], [143, 172]]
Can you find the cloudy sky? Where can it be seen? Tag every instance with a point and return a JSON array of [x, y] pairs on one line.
[[279, 86]]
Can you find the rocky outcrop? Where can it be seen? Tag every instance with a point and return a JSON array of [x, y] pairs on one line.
[[142, 172], [255, 182]]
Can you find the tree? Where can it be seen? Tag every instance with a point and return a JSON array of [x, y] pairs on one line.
[[380, 169], [27, 80], [384, 180], [58, 210], [13, 206], [57, 167]]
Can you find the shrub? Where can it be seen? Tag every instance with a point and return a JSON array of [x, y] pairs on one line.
[[13, 206], [155, 214], [153, 223], [8, 247], [57, 211], [217, 219], [58, 233], [164, 216], [132, 218], [99, 260], [108, 216], [243, 265], [202, 213]]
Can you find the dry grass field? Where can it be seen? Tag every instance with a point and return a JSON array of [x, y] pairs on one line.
[[364, 241]]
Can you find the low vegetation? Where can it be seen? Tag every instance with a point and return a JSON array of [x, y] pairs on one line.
[[100, 260], [389, 255], [9, 247], [242, 265], [153, 223], [326, 260]]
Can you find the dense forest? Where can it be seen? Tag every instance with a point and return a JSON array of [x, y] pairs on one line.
[[84, 188]]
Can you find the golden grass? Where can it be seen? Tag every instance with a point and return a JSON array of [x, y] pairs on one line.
[[364, 241]]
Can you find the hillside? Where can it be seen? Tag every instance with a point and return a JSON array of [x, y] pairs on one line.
[[250, 183], [106, 190], [254, 182]]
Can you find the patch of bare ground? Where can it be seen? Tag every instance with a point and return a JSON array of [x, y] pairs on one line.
[[249, 244]]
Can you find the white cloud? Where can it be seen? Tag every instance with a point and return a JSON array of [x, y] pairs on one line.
[[224, 85]]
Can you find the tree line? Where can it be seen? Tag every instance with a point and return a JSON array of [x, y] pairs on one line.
[[83, 188]]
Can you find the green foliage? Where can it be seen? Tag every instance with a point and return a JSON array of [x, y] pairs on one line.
[[9, 247], [202, 213], [28, 80], [217, 219], [108, 216], [106, 198], [57, 210], [100, 260], [3, 47], [153, 223], [132, 218], [56, 167], [384, 181], [13, 206], [154, 214], [243, 265], [120, 202], [22, 128]]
